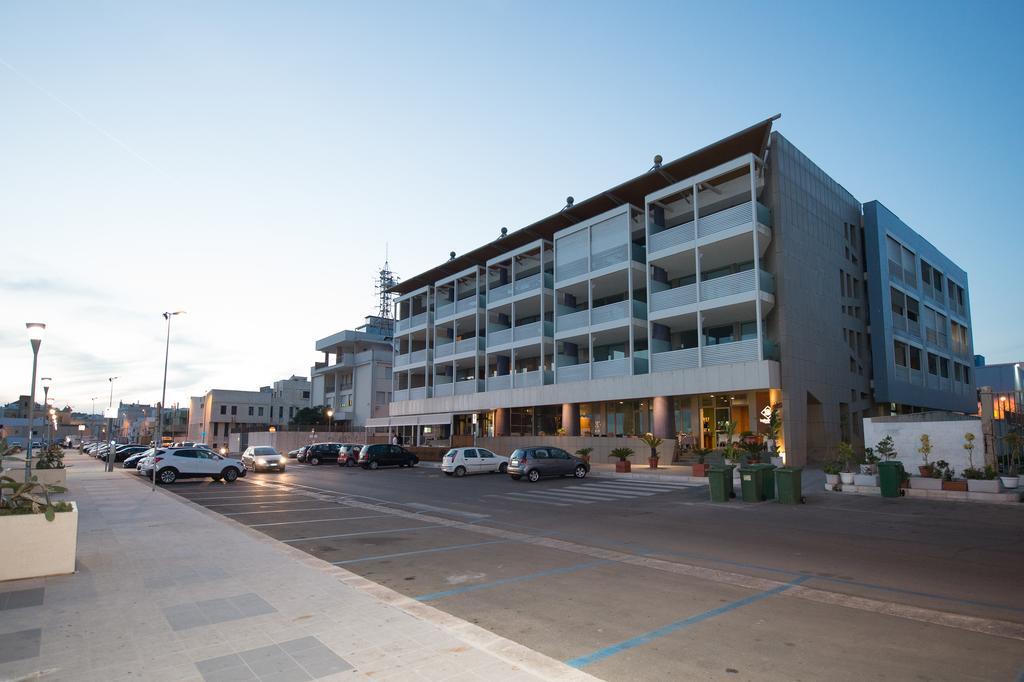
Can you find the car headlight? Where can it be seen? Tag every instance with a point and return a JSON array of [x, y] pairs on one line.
[[261, 461]]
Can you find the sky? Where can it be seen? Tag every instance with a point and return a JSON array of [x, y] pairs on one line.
[[253, 162]]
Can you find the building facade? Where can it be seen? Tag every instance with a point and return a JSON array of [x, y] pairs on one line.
[[354, 378], [215, 416], [700, 293]]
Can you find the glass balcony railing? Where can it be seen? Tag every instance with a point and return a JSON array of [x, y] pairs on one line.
[[576, 320], [499, 382], [617, 367], [666, 238], [568, 373], [468, 386], [471, 344], [499, 337], [499, 293], [573, 268]]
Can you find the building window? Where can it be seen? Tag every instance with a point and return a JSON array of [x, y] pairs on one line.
[[223, 409], [915, 358], [234, 409], [944, 368], [933, 364], [899, 350], [716, 335], [215, 425], [251, 410], [305, 395], [280, 412], [261, 412]]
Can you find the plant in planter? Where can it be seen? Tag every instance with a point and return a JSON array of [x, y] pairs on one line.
[[41, 533], [623, 455], [832, 470], [846, 458], [560, 431], [51, 458], [584, 454], [969, 447], [925, 449], [730, 452], [652, 441], [868, 475], [982, 480], [1014, 443], [885, 449], [700, 468], [774, 425], [753, 450], [948, 482], [30, 497]]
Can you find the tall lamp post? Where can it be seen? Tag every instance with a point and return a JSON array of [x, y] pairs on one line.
[[163, 395], [35, 330], [110, 427], [45, 381]]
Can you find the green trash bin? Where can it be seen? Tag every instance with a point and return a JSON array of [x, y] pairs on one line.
[[769, 480], [720, 483], [790, 484], [890, 475], [752, 482]]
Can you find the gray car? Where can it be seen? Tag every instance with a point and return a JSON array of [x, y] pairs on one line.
[[537, 462], [263, 457]]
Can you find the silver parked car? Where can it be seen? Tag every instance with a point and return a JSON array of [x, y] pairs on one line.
[[263, 457], [537, 462]]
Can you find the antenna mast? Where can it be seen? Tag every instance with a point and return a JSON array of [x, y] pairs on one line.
[[386, 279]]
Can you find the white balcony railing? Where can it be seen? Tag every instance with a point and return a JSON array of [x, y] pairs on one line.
[[730, 218], [727, 353], [668, 361], [468, 386], [618, 367], [736, 283], [419, 393], [580, 372], [673, 236], [401, 394], [444, 389], [497, 383], [401, 360], [671, 298], [500, 337], [580, 318], [610, 312], [410, 322], [572, 269], [498, 293], [418, 356], [526, 379]]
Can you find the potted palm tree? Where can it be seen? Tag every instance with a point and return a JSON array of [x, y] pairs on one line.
[[584, 454], [652, 441], [622, 454], [1014, 444]]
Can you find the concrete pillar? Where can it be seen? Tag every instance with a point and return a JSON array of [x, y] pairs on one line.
[[988, 436], [664, 417], [571, 418], [502, 421]]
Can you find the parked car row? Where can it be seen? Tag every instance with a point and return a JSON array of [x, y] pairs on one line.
[[173, 463]]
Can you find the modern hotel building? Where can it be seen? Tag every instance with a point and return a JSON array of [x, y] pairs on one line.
[[703, 291]]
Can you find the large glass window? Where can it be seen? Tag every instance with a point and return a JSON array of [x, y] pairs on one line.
[[900, 353], [716, 335], [609, 241], [569, 250], [915, 358]]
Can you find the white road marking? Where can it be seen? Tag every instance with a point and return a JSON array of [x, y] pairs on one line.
[[344, 518]]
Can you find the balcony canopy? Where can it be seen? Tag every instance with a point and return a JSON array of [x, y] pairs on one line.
[[752, 140]]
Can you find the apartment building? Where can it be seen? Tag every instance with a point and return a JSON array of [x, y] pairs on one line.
[[213, 417], [354, 378], [703, 291]]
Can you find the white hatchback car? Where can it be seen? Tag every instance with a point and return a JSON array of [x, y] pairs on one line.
[[462, 461], [174, 463]]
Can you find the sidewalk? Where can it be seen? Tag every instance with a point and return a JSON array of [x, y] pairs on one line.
[[167, 591]]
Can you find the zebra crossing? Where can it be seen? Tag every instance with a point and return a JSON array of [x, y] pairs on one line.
[[594, 491]]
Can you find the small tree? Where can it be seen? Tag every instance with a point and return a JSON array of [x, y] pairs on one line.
[[1014, 443], [730, 452], [622, 453], [969, 447], [775, 421], [845, 455], [885, 449], [926, 448], [651, 441], [585, 453]]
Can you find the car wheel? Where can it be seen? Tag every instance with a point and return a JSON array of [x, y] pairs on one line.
[[581, 471], [373, 464], [533, 475], [167, 475], [229, 474], [314, 460], [516, 477], [460, 471], [217, 477], [503, 468]]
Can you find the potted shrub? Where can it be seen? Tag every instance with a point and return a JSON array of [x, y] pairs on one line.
[[584, 454], [925, 449], [731, 453], [982, 480], [44, 532], [623, 455], [846, 458], [933, 482], [753, 450], [868, 472], [700, 469], [969, 447], [832, 470], [652, 442], [774, 426], [948, 482], [1014, 442]]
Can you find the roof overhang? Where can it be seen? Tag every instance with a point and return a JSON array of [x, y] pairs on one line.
[[752, 140]]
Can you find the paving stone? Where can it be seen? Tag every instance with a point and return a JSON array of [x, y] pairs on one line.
[[18, 599], [16, 646]]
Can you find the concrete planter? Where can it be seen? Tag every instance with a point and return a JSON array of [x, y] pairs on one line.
[[958, 486], [47, 476], [975, 485], [924, 483], [846, 477], [831, 479], [866, 479], [1010, 481], [623, 466], [37, 547]]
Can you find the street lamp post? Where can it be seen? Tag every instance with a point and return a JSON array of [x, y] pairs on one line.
[[35, 336], [110, 427], [158, 441], [45, 381]]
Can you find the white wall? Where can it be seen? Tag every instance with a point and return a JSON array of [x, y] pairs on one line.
[[947, 438]]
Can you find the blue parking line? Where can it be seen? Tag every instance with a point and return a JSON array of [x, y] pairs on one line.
[[601, 654], [509, 581], [420, 551]]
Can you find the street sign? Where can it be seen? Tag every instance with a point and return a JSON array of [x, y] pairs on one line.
[[475, 417]]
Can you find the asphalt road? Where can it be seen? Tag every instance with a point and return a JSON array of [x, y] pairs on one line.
[[633, 580]]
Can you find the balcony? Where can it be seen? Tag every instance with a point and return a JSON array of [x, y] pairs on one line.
[[401, 394], [618, 367], [673, 298], [736, 283], [706, 226], [572, 269], [419, 393], [443, 350], [499, 337], [531, 331], [535, 378], [609, 257], [414, 358], [531, 283], [728, 353], [411, 322], [576, 320], [468, 386], [499, 293], [444, 310], [497, 383], [568, 373], [469, 304], [673, 236], [443, 389], [684, 358], [471, 344], [609, 313]]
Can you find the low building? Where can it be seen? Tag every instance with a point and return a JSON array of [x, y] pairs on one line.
[[1006, 380], [354, 378], [213, 417]]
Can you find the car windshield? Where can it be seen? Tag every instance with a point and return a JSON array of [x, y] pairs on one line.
[[519, 454], [451, 453], [265, 451]]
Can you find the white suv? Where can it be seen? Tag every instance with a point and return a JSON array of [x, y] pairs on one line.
[[174, 463], [462, 461]]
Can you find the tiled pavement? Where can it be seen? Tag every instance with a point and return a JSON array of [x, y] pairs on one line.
[[165, 591]]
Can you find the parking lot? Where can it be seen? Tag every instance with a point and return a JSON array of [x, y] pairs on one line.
[[632, 579]]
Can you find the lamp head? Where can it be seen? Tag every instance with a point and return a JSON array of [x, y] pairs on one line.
[[168, 316], [35, 330]]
